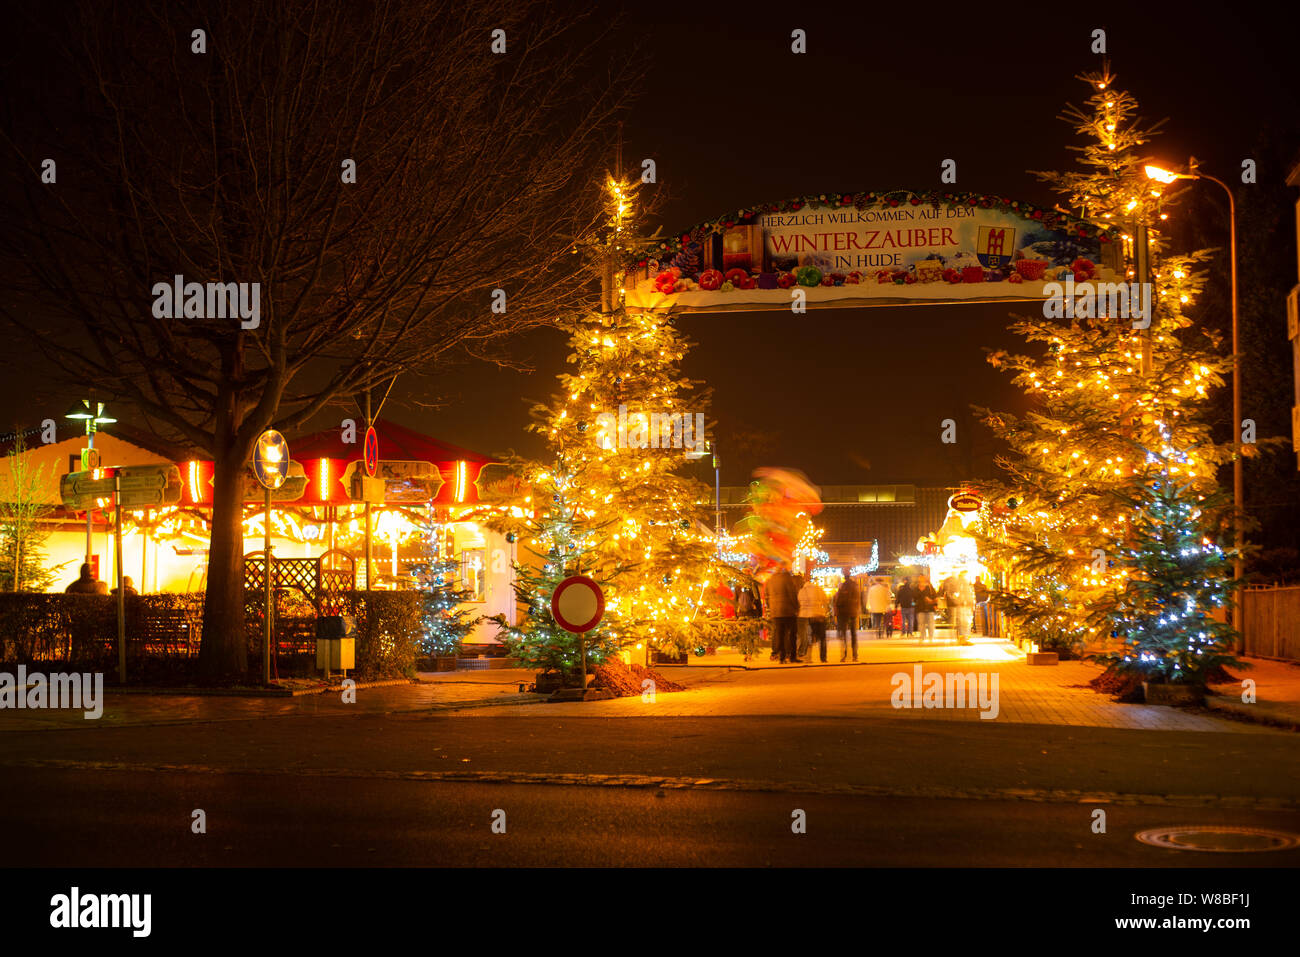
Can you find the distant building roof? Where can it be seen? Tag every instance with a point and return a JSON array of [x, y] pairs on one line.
[[893, 515]]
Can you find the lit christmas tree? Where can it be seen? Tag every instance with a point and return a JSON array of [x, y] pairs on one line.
[[446, 619], [1109, 522], [562, 540], [1176, 577], [613, 502]]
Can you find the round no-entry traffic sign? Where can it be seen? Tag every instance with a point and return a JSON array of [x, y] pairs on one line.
[[578, 604], [372, 451]]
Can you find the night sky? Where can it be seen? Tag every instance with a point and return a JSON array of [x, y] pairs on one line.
[[732, 119], [883, 96]]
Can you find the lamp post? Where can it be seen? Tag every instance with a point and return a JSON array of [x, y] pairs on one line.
[[717, 495], [711, 447], [94, 414], [1238, 482]]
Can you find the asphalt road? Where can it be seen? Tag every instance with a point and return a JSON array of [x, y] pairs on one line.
[[75, 818], [935, 758], [419, 788]]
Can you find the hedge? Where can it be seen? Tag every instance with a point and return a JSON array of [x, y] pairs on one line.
[[81, 630], [389, 626]]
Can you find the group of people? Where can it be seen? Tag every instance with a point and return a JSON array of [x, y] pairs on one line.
[[920, 602], [801, 610], [789, 598], [88, 584]]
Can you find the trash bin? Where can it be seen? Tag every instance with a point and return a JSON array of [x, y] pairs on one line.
[[336, 644]]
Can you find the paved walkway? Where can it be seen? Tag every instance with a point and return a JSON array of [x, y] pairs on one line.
[[464, 689], [1276, 690], [1026, 695], [724, 685], [875, 650]]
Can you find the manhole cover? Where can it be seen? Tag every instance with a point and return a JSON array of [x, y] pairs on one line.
[[1226, 840]]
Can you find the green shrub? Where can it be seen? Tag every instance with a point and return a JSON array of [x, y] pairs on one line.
[[389, 628]]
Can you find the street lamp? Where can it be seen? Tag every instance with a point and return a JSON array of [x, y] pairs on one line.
[[94, 414], [1238, 483], [711, 447]]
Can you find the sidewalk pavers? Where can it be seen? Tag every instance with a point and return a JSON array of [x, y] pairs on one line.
[[724, 685], [141, 708], [1026, 695], [1275, 689]]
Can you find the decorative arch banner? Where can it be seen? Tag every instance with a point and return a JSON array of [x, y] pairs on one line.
[[865, 249]]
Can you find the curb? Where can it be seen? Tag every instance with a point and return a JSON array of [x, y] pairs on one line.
[[1252, 713], [525, 698], [256, 692]]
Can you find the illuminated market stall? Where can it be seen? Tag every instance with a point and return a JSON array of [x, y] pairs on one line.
[[952, 549], [435, 499]]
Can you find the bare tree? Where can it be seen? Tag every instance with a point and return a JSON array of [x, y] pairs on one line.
[[379, 169]]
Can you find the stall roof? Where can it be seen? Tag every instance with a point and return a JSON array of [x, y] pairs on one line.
[[396, 443]]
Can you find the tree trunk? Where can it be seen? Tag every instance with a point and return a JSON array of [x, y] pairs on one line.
[[224, 651]]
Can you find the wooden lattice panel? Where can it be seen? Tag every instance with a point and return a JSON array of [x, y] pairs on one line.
[[331, 591]]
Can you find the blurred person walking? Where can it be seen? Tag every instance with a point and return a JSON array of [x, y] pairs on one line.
[[982, 618], [963, 607], [906, 601], [927, 599], [848, 603], [782, 601], [813, 605], [879, 603]]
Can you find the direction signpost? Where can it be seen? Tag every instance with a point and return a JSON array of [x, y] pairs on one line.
[[295, 483], [578, 605], [139, 486], [271, 466]]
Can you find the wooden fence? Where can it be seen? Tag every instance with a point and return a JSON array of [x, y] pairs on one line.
[[1271, 622]]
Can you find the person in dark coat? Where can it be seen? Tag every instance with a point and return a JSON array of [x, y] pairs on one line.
[[87, 584], [783, 607], [848, 602], [800, 622], [128, 587], [982, 606], [906, 602]]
